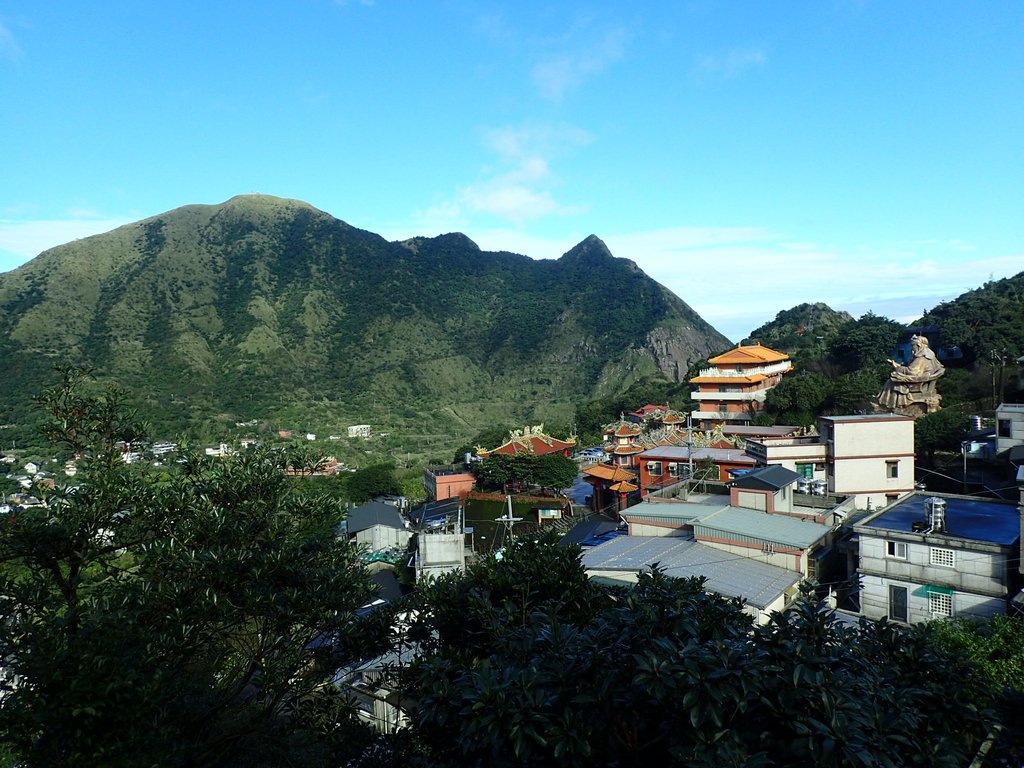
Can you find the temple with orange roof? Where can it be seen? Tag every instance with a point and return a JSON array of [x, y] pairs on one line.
[[530, 440], [733, 389], [612, 487]]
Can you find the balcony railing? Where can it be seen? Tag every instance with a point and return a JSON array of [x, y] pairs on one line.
[[767, 370], [746, 397]]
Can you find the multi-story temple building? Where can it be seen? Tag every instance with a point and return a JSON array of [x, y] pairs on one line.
[[733, 389]]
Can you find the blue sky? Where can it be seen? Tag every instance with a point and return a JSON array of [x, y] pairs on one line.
[[749, 156]]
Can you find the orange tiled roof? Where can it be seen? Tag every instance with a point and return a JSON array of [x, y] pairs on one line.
[[623, 450], [754, 354], [607, 472], [624, 487]]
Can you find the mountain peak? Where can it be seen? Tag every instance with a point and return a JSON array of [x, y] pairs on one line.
[[592, 248]]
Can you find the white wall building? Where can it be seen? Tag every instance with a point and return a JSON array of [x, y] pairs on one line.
[[1009, 426], [869, 457]]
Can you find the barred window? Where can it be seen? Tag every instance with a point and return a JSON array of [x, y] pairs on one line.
[[944, 557], [940, 605]]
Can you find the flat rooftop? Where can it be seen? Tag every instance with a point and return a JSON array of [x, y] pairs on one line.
[[988, 520]]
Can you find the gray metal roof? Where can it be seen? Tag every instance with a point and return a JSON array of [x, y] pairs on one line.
[[773, 477], [756, 583], [712, 519], [755, 524], [679, 452], [373, 513]]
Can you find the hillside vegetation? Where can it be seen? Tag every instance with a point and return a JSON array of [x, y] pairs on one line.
[[271, 309]]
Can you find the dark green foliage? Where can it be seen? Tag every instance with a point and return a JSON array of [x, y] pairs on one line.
[[377, 480], [865, 343], [163, 619], [553, 470], [985, 320], [939, 431], [799, 398], [525, 663]]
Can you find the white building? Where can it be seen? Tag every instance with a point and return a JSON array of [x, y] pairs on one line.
[[359, 430], [932, 556], [869, 457], [1009, 426]]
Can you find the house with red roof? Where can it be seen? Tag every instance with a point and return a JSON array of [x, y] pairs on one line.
[[530, 440]]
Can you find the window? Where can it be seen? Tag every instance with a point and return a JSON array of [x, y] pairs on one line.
[[1004, 428], [940, 605], [898, 603], [892, 469], [654, 467], [676, 468], [897, 549], [943, 557], [805, 470]]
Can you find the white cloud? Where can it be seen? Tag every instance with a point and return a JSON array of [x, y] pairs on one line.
[[588, 54], [518, 185], [728, 65]]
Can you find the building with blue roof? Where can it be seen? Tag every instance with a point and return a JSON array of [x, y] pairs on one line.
[[933, 555]]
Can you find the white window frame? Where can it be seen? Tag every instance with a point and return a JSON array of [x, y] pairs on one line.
[[943, 557], [896, 550], [892, 469], [654, 468], [940, 605]]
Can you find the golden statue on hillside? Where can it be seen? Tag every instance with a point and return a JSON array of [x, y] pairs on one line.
[[910, 389]]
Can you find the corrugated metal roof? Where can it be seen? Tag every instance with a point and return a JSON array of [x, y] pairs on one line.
[[757, 583], [753, 523]]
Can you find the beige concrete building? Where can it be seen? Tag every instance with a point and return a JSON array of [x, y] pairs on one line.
[[869, 457]]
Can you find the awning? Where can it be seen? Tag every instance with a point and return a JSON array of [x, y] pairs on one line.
[[931, 589]]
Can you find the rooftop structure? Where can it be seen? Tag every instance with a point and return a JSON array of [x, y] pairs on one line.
[[531, 440]]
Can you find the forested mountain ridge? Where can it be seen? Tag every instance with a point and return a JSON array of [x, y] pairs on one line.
[[986, 321], [238, 309]]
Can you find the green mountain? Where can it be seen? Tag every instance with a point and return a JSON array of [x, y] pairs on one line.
[[806, 328], [271, 309], [986, 323]]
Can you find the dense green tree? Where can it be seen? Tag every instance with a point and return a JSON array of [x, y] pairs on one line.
[[939, 431], [373, 481], [866, 342], [854, 392], [524, 662], [526, 470], [799, 398], [164, 619]]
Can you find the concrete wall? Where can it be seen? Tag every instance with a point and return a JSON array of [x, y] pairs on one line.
[[382, 537], [860, 452], [874, 601], [974, 570]]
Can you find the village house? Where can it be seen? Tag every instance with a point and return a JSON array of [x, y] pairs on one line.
[[930, 556], [869, 457], [762, 587], [448, 481], [377, 526], [733, 389]]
